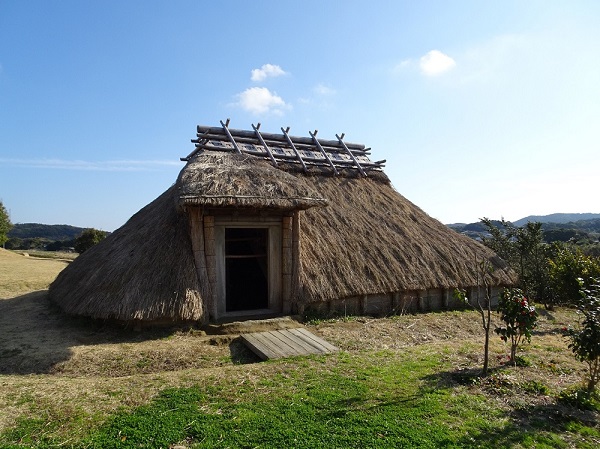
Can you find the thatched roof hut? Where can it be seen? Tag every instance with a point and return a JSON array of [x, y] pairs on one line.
[[265, 224]]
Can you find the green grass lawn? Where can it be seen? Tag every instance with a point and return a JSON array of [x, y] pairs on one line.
[[411, 398]]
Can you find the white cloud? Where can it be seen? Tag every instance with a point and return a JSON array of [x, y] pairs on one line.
[[323, 90], [63, 164], [260, 100], [402, 65], [266, 71], [435, 63]]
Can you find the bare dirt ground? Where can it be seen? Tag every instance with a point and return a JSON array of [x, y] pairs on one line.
[[48, 357]]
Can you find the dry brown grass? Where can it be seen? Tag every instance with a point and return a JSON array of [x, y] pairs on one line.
[[52, 364], [22, 274]]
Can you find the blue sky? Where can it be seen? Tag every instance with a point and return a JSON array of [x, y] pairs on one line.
[[481, 108]]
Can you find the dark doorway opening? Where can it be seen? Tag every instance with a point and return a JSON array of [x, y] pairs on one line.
[[246, 269]]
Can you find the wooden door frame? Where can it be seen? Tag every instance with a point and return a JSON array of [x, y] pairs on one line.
[[274, 265]]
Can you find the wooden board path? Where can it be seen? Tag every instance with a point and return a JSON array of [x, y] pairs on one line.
[[286, 343]]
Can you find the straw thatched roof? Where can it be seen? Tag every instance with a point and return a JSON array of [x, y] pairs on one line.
[[370, 240], [143, 271], [366, 240], [220, 179]]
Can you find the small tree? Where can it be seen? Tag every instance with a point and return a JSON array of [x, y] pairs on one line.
[[519, 317], [585, 341], [5, 224], [89, 238], [525, 251], [483, 304]]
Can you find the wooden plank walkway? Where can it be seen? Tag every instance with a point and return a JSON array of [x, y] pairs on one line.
[[286, 343]]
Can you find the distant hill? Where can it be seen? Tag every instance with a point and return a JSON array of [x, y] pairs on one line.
[[44, 231], [556, 218], [554, 226], [588, 222], [591, 225]]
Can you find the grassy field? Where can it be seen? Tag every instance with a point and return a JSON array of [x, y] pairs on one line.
[[23, 274], [407, 381]]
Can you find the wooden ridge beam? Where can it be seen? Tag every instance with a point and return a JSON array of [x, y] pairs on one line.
[[278, 143], [206, 132], [294, 157], [285, 148]]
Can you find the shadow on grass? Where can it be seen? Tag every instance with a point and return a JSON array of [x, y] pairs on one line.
[[241, 354], [459, 377], [545, 313], [528, 425], [534, 426], [36, 335], [558, 331]]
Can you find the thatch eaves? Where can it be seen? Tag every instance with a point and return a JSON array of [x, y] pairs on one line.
[[222, 179], [144, 270]]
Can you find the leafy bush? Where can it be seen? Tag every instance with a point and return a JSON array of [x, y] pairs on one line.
[[535, 387], [579, 398], [89, 238], [521, 361], [519, 317], [585, 341], [568, 267], [525, 251]]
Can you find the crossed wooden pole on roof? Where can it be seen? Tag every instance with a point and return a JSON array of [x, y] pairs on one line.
[[285, 148]]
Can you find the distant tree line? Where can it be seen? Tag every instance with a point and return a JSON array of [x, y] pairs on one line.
[[39, 243], [49, 232], [81, 243], [37, 236]]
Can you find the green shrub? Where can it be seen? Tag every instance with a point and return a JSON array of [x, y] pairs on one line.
[[535, 387], [585, 341], [568, 268], [580, 398], [519, 317]]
